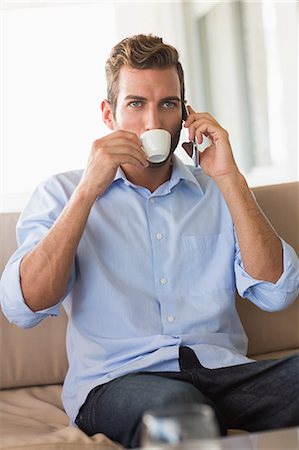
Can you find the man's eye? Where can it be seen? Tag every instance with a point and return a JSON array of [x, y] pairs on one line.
[[135, 103], [170, 105]]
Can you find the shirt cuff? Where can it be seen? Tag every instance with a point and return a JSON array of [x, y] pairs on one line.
[[13, 303], [265, 294]]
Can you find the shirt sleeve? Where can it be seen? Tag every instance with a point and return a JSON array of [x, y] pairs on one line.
[[267, 295], [43, 208]]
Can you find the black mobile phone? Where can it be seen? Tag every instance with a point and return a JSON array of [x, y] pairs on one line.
[[195, 155], [184, 111]]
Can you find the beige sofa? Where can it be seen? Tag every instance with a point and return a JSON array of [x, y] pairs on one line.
[[33, 361]]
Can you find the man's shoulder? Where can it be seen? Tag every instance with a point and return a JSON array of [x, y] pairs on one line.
[[65, 181], [59, 186], [68, 177]]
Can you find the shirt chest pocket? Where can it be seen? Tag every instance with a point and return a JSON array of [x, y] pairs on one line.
[[209, 263]]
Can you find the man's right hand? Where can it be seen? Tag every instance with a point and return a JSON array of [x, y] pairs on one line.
[[107, 154], [46, 269]]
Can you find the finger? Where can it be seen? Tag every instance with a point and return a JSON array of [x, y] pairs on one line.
[[121, 159], [125, 134], [194, 132], [120, 144], [120, 134], [119, 151], [115, 159], [205, 115], [195, 116], [192, 120], [122, 141], [137, 154], [204, 127]]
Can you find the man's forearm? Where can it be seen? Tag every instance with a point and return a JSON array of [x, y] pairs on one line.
[[260, 247], [45, 271]]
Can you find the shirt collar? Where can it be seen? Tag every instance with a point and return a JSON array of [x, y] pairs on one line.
[[120, 175], [179, 172], [182, 172]]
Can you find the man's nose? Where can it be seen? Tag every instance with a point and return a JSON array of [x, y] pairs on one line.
[[152, 120]]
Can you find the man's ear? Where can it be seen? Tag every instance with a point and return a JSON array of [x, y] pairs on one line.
[[107, 114]]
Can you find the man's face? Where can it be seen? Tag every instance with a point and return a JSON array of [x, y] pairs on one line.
[[149, 99]]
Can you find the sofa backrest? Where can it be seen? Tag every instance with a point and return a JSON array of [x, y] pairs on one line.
[[275, 331], [37, 356], [34, 356]]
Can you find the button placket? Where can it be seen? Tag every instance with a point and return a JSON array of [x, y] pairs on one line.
[[158, 232]]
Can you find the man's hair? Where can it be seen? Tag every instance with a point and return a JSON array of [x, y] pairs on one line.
[[140, 52]]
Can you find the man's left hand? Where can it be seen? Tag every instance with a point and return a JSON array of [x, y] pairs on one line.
[[216, 160]]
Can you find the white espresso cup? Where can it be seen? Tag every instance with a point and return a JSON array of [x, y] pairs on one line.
[[156, 144]]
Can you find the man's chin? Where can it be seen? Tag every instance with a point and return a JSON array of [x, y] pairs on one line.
[[160, 164]]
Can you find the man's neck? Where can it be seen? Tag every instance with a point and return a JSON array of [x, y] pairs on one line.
[[150, 177]]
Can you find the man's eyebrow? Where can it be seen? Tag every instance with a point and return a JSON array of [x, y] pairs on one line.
[[164, 99], [173, 97], [134, 97]]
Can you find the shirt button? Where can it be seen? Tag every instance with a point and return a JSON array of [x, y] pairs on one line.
[[152, 200], [170, 318], [159, 236], [163, 280]]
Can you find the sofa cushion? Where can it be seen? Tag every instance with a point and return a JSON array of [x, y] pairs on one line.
[[276, 355], [269, 331], [34, 418], [36, 356], [8, 241]]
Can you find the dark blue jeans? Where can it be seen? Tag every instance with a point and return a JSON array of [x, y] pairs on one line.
[[257, 396]]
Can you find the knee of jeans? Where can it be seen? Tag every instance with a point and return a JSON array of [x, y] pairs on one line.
[[184, 393]]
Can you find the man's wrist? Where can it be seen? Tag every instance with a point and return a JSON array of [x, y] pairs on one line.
[[230, 180], [84, 195]]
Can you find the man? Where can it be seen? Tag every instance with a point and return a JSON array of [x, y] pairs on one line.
[[146, 259]]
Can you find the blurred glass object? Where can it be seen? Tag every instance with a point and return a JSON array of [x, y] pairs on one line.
[[180, 425]]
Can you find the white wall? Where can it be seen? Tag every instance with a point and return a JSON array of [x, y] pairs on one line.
[[281, 35], [53, 56], [53, 82]]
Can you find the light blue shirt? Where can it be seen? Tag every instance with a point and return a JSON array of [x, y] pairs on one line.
[[153, 271]]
